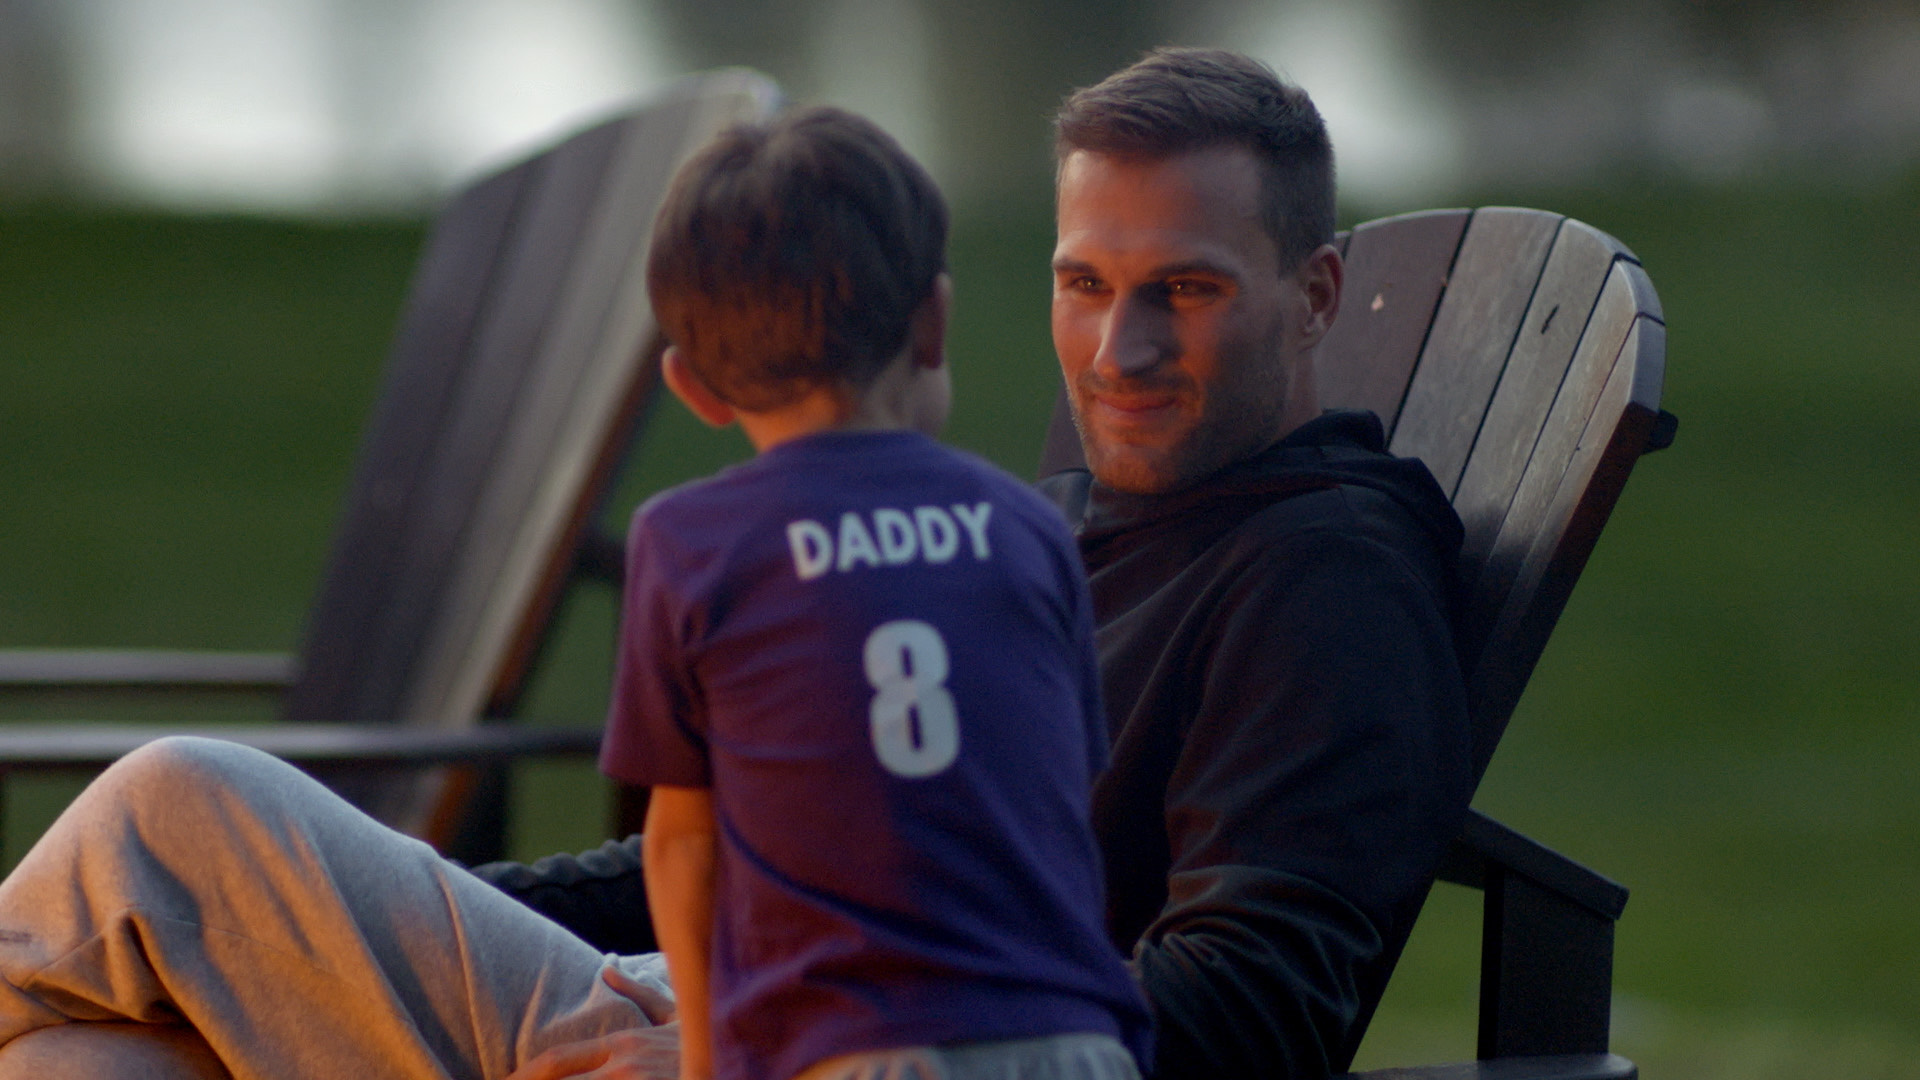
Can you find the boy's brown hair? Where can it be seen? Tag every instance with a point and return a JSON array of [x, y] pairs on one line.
[[792, 254]]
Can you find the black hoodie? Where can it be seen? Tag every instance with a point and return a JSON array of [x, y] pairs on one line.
[[1290, 739]]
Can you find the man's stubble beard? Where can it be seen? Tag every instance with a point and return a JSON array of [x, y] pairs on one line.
[[1238, 420], [1232, 428]]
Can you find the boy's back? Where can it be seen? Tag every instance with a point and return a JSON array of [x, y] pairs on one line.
[[878, 654], [858, 671]]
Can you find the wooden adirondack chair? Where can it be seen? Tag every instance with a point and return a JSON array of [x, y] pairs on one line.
[[1520, 355], [524, 359]]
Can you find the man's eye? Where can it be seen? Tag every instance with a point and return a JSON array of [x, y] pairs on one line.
[[1084, 283], [1191, 289]]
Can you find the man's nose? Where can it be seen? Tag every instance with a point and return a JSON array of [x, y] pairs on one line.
[[1135, 337]]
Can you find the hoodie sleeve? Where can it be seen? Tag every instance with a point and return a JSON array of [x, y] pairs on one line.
[[1317, 784]]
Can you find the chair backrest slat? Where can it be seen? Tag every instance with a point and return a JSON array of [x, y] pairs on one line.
[[1492, 281], [499, 359], [1599, 424], [445, 307], [1396, 271], [1577, 267]]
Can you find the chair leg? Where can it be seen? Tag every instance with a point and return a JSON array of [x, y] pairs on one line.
[[1546, 972]]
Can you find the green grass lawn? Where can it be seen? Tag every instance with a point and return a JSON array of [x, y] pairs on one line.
[[1725, 720]]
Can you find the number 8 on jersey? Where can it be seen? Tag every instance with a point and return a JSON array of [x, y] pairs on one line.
[[914, 725]]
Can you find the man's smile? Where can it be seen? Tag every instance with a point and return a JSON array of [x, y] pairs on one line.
[[1131, 411]]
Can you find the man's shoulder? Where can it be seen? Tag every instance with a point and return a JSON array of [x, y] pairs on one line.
[[1329, 478], [1365, 530], [1339, 481]]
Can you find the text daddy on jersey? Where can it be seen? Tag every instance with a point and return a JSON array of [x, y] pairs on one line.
[[893, 538]]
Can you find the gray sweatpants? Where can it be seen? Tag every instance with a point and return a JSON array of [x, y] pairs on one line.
[[204, 884], [1083, 1056]]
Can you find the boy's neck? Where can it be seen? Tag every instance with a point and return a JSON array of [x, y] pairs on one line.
[[911, 393], [898, 399]]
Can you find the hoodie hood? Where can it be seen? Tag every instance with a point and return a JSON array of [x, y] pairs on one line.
[[1338, 448]]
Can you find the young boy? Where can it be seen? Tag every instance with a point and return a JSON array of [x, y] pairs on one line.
[[858, 670]]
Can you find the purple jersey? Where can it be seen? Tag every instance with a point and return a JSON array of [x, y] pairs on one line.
[[878, 653]]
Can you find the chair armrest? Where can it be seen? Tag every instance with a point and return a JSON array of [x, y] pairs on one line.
[[46, 747], [1546, 943], [144, 669], [1484, 844], [1549, 1067]]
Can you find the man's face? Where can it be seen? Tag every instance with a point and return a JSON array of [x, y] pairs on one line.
[[1184, 347]]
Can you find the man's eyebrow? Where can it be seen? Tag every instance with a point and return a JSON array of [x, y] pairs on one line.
[[1201, 267]]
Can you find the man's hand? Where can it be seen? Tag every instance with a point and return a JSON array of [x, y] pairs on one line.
[[648, 1053]]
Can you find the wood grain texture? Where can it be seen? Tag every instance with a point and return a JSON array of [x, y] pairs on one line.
[[93, 746], [584, 376], [441, 314], [1577, 267], [501, 358], [145, 669], [1536, 574], [1493, 279], [1489, 582], [510, 534], [597, 363], [1397, 268]]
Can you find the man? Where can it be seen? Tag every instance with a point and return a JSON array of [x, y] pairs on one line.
[[1272, 591]]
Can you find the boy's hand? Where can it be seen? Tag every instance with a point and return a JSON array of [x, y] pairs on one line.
[[649, 1053], [635, 1054]]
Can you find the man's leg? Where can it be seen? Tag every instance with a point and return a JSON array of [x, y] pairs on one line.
[[202, 881], [111, 1052], [1078, 1056]]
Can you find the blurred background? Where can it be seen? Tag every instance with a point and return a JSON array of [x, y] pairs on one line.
[[209, 210]]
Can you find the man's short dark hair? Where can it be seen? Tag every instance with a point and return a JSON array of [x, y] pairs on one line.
[[1177, 100], [792, 254]]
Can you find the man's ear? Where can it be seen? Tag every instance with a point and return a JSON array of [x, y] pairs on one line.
[[692, 391], [927, 333], [1321, 277]]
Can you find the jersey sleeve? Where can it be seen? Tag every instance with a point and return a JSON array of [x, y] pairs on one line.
[[656, 726]]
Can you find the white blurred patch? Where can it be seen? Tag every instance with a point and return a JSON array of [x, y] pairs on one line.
[[1711, 129], [1394, 134], [874, 57], [304, 104], [207, 102], [503, 75]]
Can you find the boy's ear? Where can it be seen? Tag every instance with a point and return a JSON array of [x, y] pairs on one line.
[[927, 333], [692, 392]]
